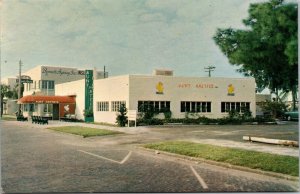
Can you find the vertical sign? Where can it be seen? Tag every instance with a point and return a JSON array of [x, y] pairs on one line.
[[89, 88]]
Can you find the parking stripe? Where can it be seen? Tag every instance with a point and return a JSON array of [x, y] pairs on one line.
[[201, 181], [126, 158], [102, 157]]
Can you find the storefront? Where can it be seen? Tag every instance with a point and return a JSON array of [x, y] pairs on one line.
[[52, 107], [202, 96]]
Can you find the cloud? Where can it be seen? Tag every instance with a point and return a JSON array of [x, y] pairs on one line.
[[132, 36]]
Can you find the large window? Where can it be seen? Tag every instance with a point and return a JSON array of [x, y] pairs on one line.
[[47, 84], [237, 106], [158, 106], [192, 106], [103, 106], [115, 105]]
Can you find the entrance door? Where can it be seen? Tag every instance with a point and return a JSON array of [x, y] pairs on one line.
[[55, 111]]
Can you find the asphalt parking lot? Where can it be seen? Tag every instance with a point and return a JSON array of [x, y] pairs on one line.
[[35, 159]]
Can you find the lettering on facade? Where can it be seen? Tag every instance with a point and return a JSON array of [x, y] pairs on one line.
[[46, 102], [61, 72], [198, 85], [89, 88], [184, 85]]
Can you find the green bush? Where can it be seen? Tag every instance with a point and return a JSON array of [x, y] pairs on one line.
[[275, 109], [121, 116], [152, 121], [167, 114]]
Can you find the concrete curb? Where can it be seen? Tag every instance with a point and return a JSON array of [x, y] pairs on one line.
[[226, 165]]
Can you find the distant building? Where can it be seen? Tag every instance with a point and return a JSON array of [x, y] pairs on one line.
[[9, 105]]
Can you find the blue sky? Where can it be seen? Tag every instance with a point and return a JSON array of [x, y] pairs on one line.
[[126, 36]]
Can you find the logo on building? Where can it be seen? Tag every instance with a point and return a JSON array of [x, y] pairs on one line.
[[159, 88], [67, 108], [230, 90]]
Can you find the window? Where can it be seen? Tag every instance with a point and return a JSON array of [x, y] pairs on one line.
[[237, 106], [48, 108], [115, 105], [31, 107], [103, 106], [158, 106], [46, 84], [186, 106]]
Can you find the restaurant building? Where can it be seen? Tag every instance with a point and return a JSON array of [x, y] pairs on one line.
[[39, 96], [203, 96], [74, 91]]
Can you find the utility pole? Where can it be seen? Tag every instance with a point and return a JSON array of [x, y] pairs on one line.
[[209, 69], [19, 93], [104, 72]]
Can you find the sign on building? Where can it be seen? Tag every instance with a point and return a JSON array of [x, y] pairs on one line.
[[132, 114], [89, 88]]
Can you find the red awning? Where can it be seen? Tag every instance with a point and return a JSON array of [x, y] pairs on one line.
[[47, 99]]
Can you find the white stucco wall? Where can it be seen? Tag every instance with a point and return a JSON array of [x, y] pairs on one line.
[[133, 88], [73, 88], [110, 89]]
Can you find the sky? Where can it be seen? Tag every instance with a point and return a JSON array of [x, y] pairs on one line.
[[126, 36]]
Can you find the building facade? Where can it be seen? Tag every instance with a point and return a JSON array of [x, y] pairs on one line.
[[206, 96], [44, 79]]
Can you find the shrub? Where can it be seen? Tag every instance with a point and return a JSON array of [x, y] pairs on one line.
[[276, 109], [121, 116], [88, 113], [167, 114]]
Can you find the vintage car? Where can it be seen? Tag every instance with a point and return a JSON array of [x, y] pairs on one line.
[[292, 115]]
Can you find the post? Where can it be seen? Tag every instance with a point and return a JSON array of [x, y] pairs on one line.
[[209, 69], [19, 92], [104, 72]]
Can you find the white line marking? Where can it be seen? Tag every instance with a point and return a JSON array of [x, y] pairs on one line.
[[126, 158], [102, 157], [201, 181]]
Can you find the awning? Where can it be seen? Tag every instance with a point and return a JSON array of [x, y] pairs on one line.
[[47, 99]]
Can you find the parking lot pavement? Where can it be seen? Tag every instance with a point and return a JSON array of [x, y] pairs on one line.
[[38, 160], [221, 135]]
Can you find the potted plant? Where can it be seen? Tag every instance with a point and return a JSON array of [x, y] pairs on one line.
[[88, 115]]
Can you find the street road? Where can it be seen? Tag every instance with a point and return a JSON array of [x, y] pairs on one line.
[[41, 160]]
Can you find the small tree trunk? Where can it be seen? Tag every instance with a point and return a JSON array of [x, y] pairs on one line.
[[1, 111], [294, 94]]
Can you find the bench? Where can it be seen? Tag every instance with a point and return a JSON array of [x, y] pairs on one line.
[[69, 118], [22, 118], [39, 120]]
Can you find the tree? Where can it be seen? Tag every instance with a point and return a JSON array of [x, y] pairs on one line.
[[268, 48], [5, 92], [121, 117]]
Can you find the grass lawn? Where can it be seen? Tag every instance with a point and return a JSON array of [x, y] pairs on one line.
[[84, 131], [105, 124], [257, 160]]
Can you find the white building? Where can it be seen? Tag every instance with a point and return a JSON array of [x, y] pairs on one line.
[[44, 79], [9, 105], [206, 96]]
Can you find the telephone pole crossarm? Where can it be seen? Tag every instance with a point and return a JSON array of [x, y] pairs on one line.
[[209, 69]]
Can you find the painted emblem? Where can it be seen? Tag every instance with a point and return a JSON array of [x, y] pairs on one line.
[[67, 108], [230, 90], [159, 88]]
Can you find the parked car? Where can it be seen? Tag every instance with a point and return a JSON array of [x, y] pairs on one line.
[[292, 115]]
